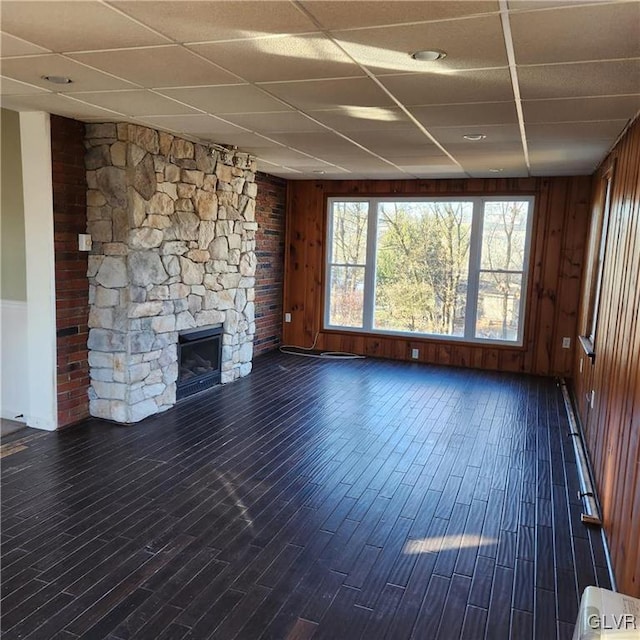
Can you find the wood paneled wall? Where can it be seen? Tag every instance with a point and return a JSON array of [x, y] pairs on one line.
[[559, 232], [612, 425]]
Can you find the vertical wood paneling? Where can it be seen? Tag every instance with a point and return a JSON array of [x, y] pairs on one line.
[[559, 230], [612, 426]]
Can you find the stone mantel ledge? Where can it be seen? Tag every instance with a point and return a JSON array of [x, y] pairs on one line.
[[173, 228]]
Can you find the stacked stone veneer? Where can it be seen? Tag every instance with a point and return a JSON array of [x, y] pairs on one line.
[[173, 229]]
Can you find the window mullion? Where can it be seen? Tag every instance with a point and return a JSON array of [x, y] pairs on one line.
[[473, 281], [370, 269]]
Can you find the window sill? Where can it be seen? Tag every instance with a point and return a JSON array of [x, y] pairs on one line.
[[587, 346], [427, 338]]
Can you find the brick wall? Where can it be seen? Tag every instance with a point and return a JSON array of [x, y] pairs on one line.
[[72, 286], [270, 215]]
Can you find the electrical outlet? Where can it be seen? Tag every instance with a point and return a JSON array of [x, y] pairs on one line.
[[415, 353], [287, 317], [84, 242], [566, 343]]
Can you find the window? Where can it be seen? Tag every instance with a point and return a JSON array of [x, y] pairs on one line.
[[453, 268]]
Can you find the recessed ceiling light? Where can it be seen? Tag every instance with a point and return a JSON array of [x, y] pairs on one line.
[[474, 137], [320, 173], [429, 55], [58, 79], [495, 170]]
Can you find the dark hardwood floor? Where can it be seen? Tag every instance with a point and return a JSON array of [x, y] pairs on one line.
[[313, 499]]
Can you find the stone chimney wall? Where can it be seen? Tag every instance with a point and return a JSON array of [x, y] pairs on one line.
[[173, 229]]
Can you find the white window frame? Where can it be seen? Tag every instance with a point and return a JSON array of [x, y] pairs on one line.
[[475, 255]]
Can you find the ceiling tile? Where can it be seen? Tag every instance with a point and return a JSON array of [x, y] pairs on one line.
[[326, 94], [363, 118], [314, 143], [575, 158], [470, 44], [367, 163], [58, 104], [577, 33], [10, 46], [471, 114], [579, 79], [586, 132], [74, 26], [529, 5], [344, 15], [492, 85], [581, 109], [187, 21], [303, 57], [495, 134], [284, 121], [408, 142], [10, 87], [444, 172], [201, 125], [134, 103], [168, 66], [32, 68], [508, 156], [227, 99], [280, 155]]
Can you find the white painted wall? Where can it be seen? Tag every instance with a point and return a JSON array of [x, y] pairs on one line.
[[14, 346], [35, 136], [14, 398]]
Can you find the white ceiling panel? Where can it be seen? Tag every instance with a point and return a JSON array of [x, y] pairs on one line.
[[276, 122], [559, 132], [297, 57], [187, 21], [74, 26], [490, 85], [470, 44], [365, 13], [581, 109], [605, 78], [277, 76], [500, 133], [9, 87], [12, 46], [396, 142], [314, 142], [566, 159], [575, 34], [168, 66], [326, 94], [31, 69], [226, 99], [59, 104], [134, 103], [470, 114], [205, 126], [350, 118]]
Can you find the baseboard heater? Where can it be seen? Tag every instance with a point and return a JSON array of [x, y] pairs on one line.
[[591, 511]]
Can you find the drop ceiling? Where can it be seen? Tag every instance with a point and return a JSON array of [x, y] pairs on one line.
[[328, 88]]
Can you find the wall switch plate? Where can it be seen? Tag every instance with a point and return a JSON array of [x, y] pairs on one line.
[[566, 343], [415, 353], [84, 242], [287, 317]]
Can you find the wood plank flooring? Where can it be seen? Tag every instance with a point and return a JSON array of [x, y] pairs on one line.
[[312, 499]]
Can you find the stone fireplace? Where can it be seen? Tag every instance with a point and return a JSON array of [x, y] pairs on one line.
[[173, 229]]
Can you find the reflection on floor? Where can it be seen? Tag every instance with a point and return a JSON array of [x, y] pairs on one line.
[[340, 500]]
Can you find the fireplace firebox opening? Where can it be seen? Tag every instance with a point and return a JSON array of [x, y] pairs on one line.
[[199, 359]]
